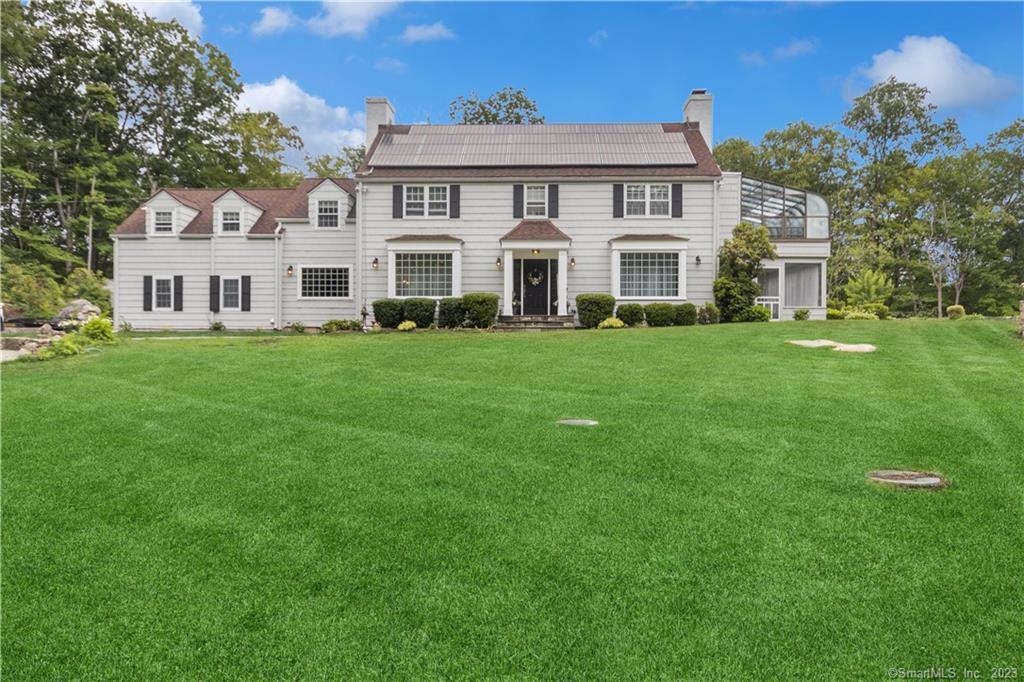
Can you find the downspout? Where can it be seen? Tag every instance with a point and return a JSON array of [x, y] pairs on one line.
[[116, 302], [360, 245], [277, 277], [715, 229]]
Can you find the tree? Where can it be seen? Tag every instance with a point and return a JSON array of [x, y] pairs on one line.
[[739, 264], [256, 143], [870, 286], [343, 165], [509, 105], [1003, 164]]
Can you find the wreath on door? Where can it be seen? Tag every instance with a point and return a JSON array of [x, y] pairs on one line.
[[535, 277]]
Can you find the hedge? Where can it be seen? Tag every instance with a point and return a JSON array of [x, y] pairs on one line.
[[660, 314], [686, 314], [593, 308], [481, 309], [388, 312], [451, 313], [631, 313], [756, 313], [419, 310]]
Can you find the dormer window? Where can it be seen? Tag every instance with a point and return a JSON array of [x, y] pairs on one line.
[[536, 201], [163, 222], [327, 213], [231, 222]]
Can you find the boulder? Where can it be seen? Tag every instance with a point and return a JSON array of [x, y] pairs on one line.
[[31, 347], [46, 330], [13, 342], [75, 313]]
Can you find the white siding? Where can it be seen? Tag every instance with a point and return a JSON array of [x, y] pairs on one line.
[[234, 256], [306, 245], [585, 214], [163, 257], [183, 215], [248, 213]]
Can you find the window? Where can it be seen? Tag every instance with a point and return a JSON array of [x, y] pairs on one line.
[[231, 293], [536, 201], [787, 213], [163, 221], [414, 201], [648, 200], [327, 213], [438, 201], [423, 274], [324, 282], [230, 221], [163, 293], [645, 274], [803, 285], [659, 199], [429, 200]]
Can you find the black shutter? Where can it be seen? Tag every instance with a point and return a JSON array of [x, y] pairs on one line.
[[214, 293], [179, 292], [147, 293], [677, 200], [618, 206], [246, 293], [454, 201], [396, 201], [552, 201], [517, 201]]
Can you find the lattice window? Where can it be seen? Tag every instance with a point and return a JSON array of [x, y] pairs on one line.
[[645, 274], [423, 274], [323, 282]]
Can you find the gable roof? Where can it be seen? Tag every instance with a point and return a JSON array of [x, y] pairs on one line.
[[625, 149], [276, 203], [534, 229]]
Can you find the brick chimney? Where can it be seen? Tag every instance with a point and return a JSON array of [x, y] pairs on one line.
[[698, 109]]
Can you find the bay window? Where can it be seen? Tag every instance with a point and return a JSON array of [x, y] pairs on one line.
[[423, 273], [647, 274]]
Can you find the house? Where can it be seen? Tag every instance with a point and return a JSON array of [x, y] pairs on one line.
[[534, 213]]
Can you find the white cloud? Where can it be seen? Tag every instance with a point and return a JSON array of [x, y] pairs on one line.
[[597, 37], [185, 12], [389, 64], [952, 77], [323, 127], [794, 49], [349, 18], [274, 20], [422, 33]]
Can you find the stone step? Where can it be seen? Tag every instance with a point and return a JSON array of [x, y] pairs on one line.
[[536, 318]]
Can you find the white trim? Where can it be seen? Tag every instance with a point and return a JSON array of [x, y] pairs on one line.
[[455, 248], [174, 221], [563, 282], [526, 201], [339, 266], [648, 247], [542, 244], [316, 220], [426, 201], [224, 306], [220, 223], [646, 200], [508, 264], [166, 279]]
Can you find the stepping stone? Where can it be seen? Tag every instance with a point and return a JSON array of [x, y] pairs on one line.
[[854, 348], [577, 422], [908, 479], [816, 343]]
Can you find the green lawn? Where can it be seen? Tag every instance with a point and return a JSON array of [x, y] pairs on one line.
[[404, 505]]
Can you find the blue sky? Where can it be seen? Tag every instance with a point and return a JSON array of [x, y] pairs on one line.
[[767, 64]]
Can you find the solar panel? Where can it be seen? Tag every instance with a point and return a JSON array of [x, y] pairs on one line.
[[629, 144]]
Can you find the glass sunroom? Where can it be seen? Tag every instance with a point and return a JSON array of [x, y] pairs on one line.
[[788, 213]]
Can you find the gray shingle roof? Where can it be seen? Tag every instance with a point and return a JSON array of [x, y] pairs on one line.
[[571, 144]]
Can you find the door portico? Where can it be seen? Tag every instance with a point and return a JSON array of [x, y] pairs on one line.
[[535, 257]]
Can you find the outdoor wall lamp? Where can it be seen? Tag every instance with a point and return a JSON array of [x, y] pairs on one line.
[[291, 270], [698, 260], [497, 263], [572, 262], [534, 251], [375, 264]]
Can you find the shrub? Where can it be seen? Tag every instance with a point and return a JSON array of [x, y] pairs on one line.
[[406, 326], [611, 323], [757, 313], [801, 314], [660, 314], [880, 310], [686, 314], [974, 316], [835, 314], [69, 344], [870, 286], [83, 283], [451, 313], [955, 312], [419, 310], [218, 326], [481, 309], [631, 313], [98, 329], [387, 312], [734, 297], [708, 314], [32, 290], [331, 326], [125, 327], [592, 308], [858, 314]]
